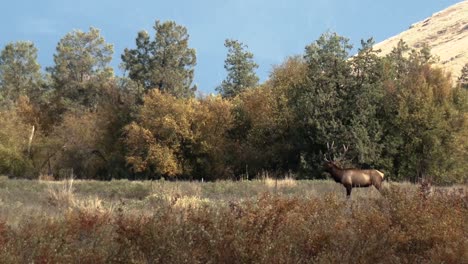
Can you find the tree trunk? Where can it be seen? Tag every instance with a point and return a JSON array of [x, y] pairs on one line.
[[30, 140]]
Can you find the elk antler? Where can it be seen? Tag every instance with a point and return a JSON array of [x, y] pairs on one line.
[[345, 149], [333, 154], [343, 153], [330, 149]]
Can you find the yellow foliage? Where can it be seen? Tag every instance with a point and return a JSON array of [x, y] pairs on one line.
[[13, 131], [171, 133], [164, 158]]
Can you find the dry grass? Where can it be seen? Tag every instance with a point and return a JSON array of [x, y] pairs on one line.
[[229, 222], [61, 193], [46, 177], [287, 182]]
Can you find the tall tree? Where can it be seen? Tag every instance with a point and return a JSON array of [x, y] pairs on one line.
[[19, 71], [81, 59], [240, 67], [363, 102], [319, 103], [165, 63]]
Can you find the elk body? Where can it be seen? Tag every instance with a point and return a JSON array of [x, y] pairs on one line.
[[354, 177], [350, 177]]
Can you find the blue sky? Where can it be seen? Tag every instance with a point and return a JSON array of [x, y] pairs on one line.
[[272, 29]]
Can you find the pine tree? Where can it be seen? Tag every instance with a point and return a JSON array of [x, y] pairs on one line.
[[320, 102], [363, 103], [19, 71], [81, 64], [241, 69], [165, 63]]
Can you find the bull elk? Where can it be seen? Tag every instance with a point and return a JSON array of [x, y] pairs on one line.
[[353, 177]]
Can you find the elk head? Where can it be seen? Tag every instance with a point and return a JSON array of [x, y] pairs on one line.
[[332, 157]]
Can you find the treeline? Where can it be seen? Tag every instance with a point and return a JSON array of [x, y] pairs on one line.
[[397, 113]]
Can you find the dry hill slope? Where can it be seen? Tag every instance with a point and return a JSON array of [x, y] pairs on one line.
[[445, 32]]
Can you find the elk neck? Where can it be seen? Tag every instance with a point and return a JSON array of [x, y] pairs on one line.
[[335, 171]]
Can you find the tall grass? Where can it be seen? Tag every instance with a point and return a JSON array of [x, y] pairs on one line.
[[61, 194], [232, 222]]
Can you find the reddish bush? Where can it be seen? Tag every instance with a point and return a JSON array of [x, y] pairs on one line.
[[400, 227]]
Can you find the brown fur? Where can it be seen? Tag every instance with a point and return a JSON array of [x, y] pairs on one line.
[[354, 177]]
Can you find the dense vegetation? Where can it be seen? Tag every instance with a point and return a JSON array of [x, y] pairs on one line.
[[229, 222], [397, 113]]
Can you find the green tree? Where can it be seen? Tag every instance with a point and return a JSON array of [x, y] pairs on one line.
[[399, 63], [319, 103], [240, 67], [81, 65], [19, 71], [363, 102], [423, 121], [165, 63]]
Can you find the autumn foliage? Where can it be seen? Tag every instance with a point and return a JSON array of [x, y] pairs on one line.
[[398, 113]]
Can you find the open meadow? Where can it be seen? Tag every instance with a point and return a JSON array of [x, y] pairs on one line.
[[287, 221], [154, 134]]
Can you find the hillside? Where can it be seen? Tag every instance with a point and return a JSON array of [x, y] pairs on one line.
[[445, 32]]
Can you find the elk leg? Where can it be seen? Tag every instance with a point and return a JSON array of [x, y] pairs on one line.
[[378, 186], [348, 190]]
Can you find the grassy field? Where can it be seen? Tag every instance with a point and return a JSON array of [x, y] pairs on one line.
[[229, 222]]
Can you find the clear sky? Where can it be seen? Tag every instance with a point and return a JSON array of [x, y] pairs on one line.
[[272, 29]]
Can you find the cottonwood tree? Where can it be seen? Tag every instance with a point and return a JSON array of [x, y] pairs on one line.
[[89, 142], [240, 67], [165, 63], [178, 137], [264, 133], [21, 87], [14, 132]]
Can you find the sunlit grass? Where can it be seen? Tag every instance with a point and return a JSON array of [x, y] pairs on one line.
[[261, 221], [280, 183]]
